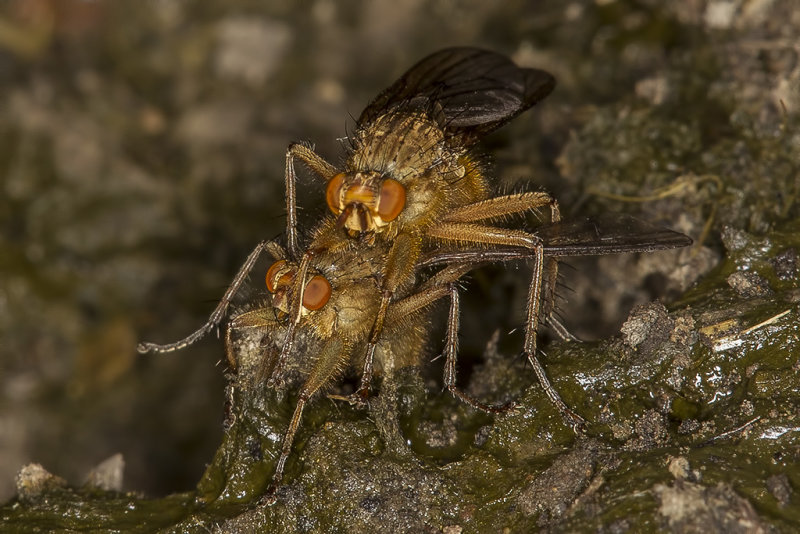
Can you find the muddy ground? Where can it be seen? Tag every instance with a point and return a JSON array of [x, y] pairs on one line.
[[143, 158]]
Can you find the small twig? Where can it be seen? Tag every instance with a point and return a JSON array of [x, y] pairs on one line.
[[731, 432], [769, 321]]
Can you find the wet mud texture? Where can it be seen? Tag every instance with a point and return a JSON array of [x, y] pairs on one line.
[[142, 158]]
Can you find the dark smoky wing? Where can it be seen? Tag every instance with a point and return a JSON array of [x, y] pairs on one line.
[[471, 91], [611, 233]]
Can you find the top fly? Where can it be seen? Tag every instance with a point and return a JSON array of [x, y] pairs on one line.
[[413, 179]]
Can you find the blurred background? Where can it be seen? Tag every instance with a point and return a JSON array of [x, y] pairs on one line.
[[142, 151]]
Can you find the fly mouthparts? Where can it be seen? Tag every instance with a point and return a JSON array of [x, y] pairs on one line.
[[343, 216]]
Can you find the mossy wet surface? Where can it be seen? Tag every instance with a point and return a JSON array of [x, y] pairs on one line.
[[721, 404], [693, 407]]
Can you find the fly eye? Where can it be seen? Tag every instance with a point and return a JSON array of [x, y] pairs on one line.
[[333, 193], [278, 275], [392, 200], [317, 293]]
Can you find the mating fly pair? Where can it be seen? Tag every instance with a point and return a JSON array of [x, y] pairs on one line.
[[411, 195]]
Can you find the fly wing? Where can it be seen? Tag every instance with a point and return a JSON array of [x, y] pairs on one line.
[[611, 233], [470, 91]]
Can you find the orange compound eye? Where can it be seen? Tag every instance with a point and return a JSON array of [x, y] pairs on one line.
[[392, 200], [317, 293], [333, 193], [272, 278]]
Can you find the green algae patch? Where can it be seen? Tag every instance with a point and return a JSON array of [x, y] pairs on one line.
[[75, 510]]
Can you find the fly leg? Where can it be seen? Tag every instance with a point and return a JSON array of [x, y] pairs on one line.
[[451, 352], [219, 312], [332, 357], [490, 235], [399, 270], [442, 284], [320, 167], [502, 206], [518, 203], [531, 327]]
